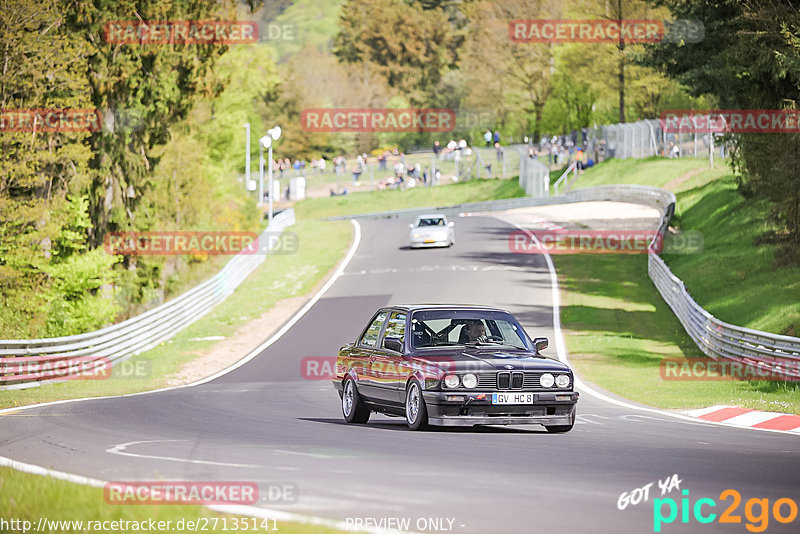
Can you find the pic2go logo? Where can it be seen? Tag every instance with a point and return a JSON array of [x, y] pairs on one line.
[[756, 511]]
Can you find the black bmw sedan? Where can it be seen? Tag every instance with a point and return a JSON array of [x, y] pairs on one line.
[[453, 366]]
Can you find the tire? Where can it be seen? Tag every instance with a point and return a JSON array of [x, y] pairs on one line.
[[353, 408], [559, 429], [416, 411]]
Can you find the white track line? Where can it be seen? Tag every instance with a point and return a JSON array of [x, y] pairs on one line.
[[243, 510], [121, 450], [252, 354], [250, 511], [562, 350]]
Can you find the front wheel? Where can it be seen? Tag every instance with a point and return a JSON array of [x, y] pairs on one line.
[[416, 411], [353, 408]]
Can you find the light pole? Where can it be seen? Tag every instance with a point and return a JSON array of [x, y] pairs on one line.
[[247, 158], [273, 134], [261, 173]]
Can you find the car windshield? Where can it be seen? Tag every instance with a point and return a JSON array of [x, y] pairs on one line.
[[430, 221], [433, 328]]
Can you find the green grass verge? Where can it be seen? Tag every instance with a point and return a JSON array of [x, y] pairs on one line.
[[618, 328], [321, 246], [654, 171], [27, 497], [444, 195]]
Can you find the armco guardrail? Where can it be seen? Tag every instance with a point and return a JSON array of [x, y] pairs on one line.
[[29, 363], [652, 196], [717, 339]]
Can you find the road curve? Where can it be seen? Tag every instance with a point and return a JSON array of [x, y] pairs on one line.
[[264, 422]]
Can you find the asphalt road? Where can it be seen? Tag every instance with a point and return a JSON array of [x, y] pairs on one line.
[[265, 423]]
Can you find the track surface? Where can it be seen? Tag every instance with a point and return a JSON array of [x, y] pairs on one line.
[[263, 422]]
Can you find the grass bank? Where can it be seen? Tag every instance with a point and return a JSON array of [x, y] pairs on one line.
[[392, 199], [321, 246], [57, 500], [617, 326]]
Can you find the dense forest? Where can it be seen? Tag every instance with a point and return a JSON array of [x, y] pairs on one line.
[[169, 154]]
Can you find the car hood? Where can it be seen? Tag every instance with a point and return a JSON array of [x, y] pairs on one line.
[[480, 359], [429, 230]]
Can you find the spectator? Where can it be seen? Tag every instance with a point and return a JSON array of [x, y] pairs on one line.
[[487, 136], [356, 171], [436, 148], [496, 136], [499, 151]]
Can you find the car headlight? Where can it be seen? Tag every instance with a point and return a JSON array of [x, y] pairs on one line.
[[546, 380], [469, 380], [451, 381], [562, 381], [417, 235]]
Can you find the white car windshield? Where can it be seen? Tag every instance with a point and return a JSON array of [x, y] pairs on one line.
[[431, 221]]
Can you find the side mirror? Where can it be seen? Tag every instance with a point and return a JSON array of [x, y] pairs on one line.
[[451, 224], [540, 343], [411, 225], [393, 343]]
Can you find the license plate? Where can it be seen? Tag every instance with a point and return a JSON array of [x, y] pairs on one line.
[[512, 398], [429, 241]]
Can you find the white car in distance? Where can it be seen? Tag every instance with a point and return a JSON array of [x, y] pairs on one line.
[[432, 231]]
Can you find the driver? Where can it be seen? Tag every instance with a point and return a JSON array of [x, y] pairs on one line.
[[472, 332]]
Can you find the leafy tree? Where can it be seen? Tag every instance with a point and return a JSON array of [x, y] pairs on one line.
[[749, 59], [408, 45]]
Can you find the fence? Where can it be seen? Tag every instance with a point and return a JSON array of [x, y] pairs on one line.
[[534, 177], [717, 339], [643, 139], [28, 363]]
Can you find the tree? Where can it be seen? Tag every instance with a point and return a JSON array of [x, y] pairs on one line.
[[408, 45], [507, 75], [749, 59]]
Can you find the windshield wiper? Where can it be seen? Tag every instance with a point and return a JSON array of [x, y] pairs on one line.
[[490, 342]]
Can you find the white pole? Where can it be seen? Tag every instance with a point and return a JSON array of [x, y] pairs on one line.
[[711, 149], [247, 158], [270, 183], [260, 176]]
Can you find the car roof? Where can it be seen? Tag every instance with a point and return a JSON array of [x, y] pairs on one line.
[[432, 216], [471, 307]]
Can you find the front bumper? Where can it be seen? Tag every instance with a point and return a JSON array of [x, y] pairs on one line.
[[423, 244], [548, 408]]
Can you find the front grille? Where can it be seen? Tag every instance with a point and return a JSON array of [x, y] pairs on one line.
[[487, 381], [511, 380], [503, 380], [516, 380]]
